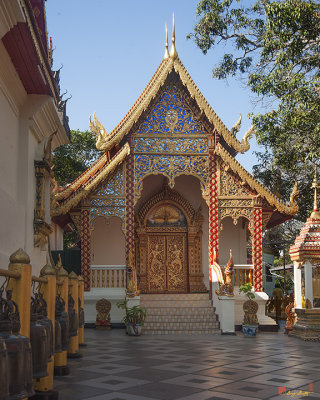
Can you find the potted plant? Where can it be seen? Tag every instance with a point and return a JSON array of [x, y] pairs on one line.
[[250, 308], [133, 319]]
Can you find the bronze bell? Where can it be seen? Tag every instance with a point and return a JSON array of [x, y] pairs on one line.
[[73, 320], [15, 348], [57, 337], [63, 319], [47, 323], [4, 379], [27, 366], [39, 344], [81, 314]]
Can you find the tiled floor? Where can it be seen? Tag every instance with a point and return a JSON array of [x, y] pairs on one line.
[[209, 367]]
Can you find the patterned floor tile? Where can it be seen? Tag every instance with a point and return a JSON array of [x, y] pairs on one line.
[[213, 395], [113, 382], [196, 381], [277, 379], [248, 389]]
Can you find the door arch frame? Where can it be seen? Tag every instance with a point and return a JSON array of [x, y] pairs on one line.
[[194, 220]]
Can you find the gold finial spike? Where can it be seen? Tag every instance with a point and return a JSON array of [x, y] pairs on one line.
[[173, 51], [166, 52]]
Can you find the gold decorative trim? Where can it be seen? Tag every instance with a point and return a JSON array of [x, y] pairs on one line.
[[151, 91], [84, 191], [290, 209]]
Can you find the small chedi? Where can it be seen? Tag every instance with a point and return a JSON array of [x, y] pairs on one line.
[[103, 308]]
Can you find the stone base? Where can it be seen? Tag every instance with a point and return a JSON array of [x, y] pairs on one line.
[[62, 370], [49, 395], [74, 355], [307, 325], [114, 295], [268, 324]]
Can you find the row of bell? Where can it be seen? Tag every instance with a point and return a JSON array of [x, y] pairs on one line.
[[21, 359], [15, 354]]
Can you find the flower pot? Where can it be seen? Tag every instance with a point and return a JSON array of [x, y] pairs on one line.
[[134, 330], [249, 330]]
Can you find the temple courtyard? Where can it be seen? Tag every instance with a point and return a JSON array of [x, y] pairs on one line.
[[204, 367]]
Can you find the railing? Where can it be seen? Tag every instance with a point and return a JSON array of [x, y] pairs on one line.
[[243, 273], [108, 276]]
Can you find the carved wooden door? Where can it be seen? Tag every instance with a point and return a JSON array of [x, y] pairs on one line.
[[167, 264]]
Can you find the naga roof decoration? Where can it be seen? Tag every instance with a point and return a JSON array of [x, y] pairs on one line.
[[307, 244], [88, 181], [282, 207]]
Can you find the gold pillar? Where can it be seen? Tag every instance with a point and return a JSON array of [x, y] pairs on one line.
[[60, 359], [73, 351], [21, 288], [49, 294], [81, 297]]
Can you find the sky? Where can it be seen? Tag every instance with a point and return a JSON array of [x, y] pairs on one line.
[[110, 49]]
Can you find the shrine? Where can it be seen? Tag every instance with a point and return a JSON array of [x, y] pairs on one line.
[[160, 210]]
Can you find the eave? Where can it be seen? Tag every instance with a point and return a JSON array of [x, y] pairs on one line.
[[286, 211], [80, 189]]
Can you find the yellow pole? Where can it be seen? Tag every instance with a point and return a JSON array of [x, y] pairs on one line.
[[60, 359], [73, 351], [49, 294], [21, 288], [81, 297]]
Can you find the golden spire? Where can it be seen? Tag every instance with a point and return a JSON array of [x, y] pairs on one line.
[[315, 213], [166, 52], [173, 51]]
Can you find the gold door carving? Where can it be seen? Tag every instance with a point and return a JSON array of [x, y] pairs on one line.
[[156, 264], [167, 268], [176, 263], [169, 245]]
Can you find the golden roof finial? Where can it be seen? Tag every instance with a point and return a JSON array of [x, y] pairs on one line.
[[173, 51], [315, 213], [166, 52]]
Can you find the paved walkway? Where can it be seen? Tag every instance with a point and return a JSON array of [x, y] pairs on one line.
[[117, 367]]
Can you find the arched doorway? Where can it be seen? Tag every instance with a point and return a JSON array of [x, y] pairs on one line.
[[169, 245]]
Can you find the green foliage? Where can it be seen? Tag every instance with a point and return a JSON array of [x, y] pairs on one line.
[[247, 290], [71, 160], [134, 315], [275, 47]]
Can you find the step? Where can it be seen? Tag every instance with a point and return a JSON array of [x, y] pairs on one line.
[[174, 303], [182, 325], [177, 318], [180, 311], [175, 296], [182, 332]]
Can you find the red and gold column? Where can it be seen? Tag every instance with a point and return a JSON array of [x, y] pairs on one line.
[[257, 247], [213, 208], [85, 247], [130, 244]]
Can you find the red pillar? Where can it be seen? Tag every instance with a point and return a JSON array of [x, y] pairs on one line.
[[213, 213], [130, 244], [257, 249], [213, 208], [85, 248]]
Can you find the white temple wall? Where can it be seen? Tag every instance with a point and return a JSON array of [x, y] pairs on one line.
[[233, 237], [25, 121], [108, 246]]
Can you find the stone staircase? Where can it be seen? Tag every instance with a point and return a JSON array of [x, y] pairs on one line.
[[190, 314]]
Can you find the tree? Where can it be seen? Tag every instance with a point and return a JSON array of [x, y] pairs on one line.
[[275, 48], [71, 160]]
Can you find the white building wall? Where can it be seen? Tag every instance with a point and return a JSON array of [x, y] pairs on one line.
[[233, 237]]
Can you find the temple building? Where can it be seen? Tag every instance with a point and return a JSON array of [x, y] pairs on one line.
[[33, 123], [167, 201]]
